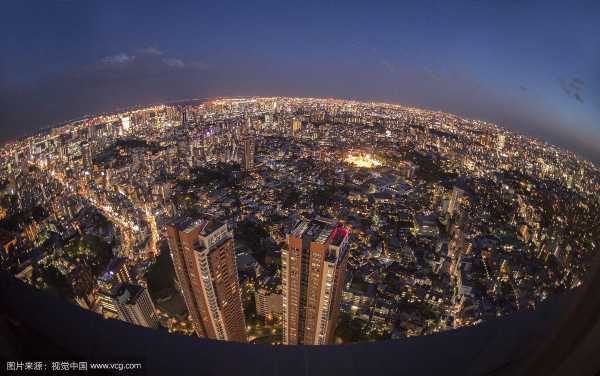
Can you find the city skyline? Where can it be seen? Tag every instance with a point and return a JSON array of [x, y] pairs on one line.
[[314, 187], [296, 220], [512, 64]]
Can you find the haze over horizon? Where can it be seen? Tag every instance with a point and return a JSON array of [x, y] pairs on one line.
[[529, 67]]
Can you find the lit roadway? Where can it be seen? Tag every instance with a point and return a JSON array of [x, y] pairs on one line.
[[124, 226]]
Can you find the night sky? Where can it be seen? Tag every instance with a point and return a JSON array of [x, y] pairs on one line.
[[532, 66]]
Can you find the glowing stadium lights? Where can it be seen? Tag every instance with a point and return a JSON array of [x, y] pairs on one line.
[[360, 159]]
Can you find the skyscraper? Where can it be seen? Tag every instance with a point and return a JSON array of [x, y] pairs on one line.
[[500, 142], [296, 124], [183, 118], [204, 260], [126, 123], [454, 200], [313, 272], [134, 305], [115, 274], [247, 153], [92, 131]]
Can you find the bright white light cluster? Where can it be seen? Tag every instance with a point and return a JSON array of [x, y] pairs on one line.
[[362, 160]]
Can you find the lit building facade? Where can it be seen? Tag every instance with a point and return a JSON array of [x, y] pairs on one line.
[[268, 304], [247, 153], [313, 273], [134, 305], [296, 126], [204, 260]]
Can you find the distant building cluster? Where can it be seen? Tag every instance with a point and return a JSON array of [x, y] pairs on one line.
[[295, 220]]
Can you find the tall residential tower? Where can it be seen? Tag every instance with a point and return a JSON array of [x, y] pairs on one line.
[[204, 260], [247, 153], [313, 273], [134, 305]]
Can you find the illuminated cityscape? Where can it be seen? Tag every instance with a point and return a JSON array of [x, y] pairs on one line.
[[296, 220], [362, 160], [309, 188]]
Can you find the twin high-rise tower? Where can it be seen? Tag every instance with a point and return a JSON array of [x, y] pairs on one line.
[[313, 273], [204, 260]]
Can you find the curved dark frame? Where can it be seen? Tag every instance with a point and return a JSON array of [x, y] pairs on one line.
[[561, 337]]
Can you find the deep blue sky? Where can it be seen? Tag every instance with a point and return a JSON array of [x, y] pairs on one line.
[[533, 66]]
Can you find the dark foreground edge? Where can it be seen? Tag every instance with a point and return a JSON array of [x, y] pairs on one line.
[[561, 337]]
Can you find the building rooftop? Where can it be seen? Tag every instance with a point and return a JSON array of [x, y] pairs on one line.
[[182, 223], [320, 230], [128, 293], [338, 235], [210, 225], [207, 225], [425, 220]]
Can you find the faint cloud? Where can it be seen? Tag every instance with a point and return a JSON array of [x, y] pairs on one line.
[[151, 57], [175, 63], [151, 51], [573, 88], [121, 58], [578, 81]]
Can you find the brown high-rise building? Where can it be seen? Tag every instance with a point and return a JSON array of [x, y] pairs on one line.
[[204, 260], [296, 126], [134, 305], [313, 273], [248, 153]]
